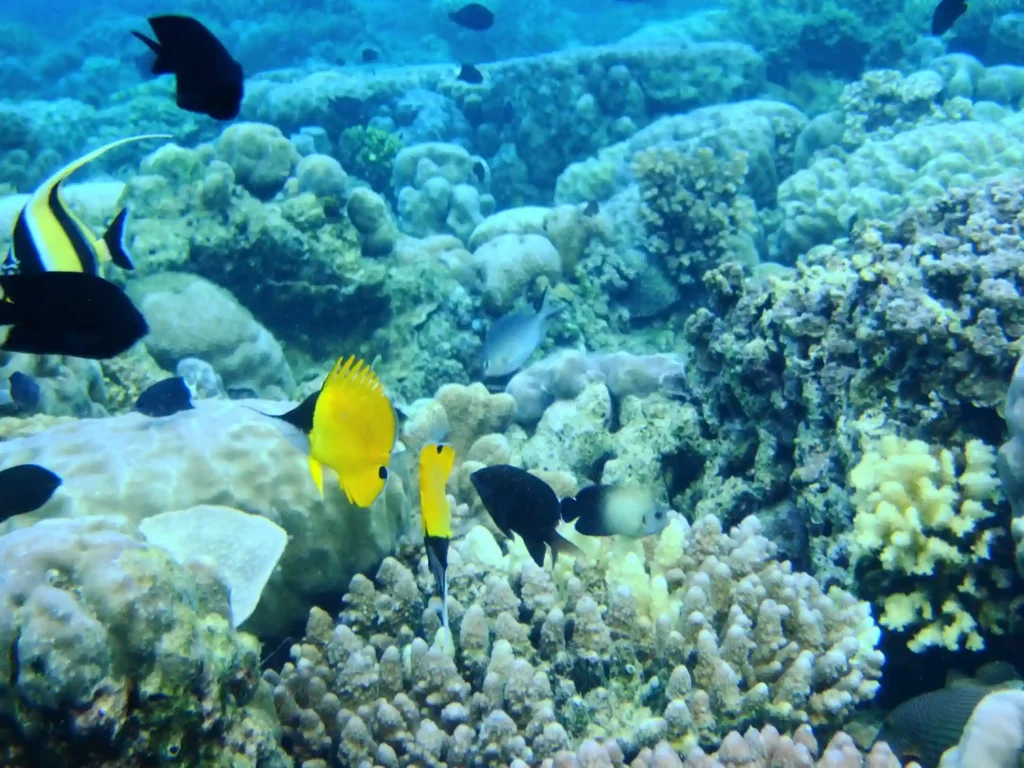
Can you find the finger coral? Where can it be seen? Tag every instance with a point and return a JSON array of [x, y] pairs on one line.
[[918, 516], [706, 634]]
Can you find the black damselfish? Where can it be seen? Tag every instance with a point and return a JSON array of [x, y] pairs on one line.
[[25, 488], [522, 503], [209, 80], [946, 14], [473, 16], [165, 398], [470, 74], [67, 313], [25, 391]]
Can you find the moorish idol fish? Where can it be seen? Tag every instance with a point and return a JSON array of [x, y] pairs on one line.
[[436, 462], [50, 237], [352, 429]]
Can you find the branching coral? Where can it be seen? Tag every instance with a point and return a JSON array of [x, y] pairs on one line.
[[925, 524], [692, 207], [707, 633]]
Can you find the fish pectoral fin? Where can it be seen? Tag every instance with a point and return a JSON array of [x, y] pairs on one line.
[[114, 240], [316, 469]]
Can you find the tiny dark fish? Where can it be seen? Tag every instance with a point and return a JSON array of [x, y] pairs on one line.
[[473, 16], [522, 503], [608, 510], [165, 398], [209, 80], [369, 55], [25, 391], [25, 488], [946, 14], [480, 171], [470, 74], [592, 208], [67, 313]]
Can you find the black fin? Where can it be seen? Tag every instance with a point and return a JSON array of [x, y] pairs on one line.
[[114, 238], [584, 506], [561, 545], [8, 312], [159, 65], [437, 559], [537, 550], [300, 417]]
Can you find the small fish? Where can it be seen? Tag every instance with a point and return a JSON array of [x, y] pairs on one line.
[[519, 502], [25, 488], [165, 398], [208, 80], [436, 462], [67, 313], [946, 14], [369, 55], [924, 727], [24, 389], [352, 428], [470, 74], [609, 510], [592, 208], [473, 16], [50, 237], [511, 339]]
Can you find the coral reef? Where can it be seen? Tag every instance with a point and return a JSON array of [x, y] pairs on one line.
[[114, 654], [716, 635]]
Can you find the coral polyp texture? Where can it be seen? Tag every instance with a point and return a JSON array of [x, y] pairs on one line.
[[114, 654], [921, 517], [706, 634]]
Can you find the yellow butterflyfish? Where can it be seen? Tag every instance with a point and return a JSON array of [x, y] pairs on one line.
[[352, 428], [436, 462], [50, 237]]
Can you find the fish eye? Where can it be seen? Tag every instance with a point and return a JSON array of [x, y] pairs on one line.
[[659, 515], [382, 473], [439, 449]]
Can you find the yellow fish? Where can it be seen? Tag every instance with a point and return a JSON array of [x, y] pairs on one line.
[[436, 462], [49, 237], [352, 428]]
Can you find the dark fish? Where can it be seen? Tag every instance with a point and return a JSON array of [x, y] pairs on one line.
[[165, 398], [369, 56], [522, 503], [946, 13], [25, 390], [470, 74], [592, 208], [473, 16], [480, 171], [25, 488], [67, 313], [608, 510], [209, 81], [924, 727]]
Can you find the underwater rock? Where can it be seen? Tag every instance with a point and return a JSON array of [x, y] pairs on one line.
[[190, 316], [220, 453], [509, 263], [261, 156]]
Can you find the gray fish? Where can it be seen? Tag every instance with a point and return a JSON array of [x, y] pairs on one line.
[[924, 727], [608, 510], [511, 339]]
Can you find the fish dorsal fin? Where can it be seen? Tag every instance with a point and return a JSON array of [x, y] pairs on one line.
[[301, 417], [60, 175]]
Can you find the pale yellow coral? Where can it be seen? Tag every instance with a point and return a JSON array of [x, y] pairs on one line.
[[917, 516]]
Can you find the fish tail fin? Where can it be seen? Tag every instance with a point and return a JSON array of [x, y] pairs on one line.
[[316, 469], [561, 545], [364, 485], [549, 305], [114, 240]]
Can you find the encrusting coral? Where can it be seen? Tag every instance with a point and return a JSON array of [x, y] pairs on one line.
[[111, 653], [925, 524], [704, 634]]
